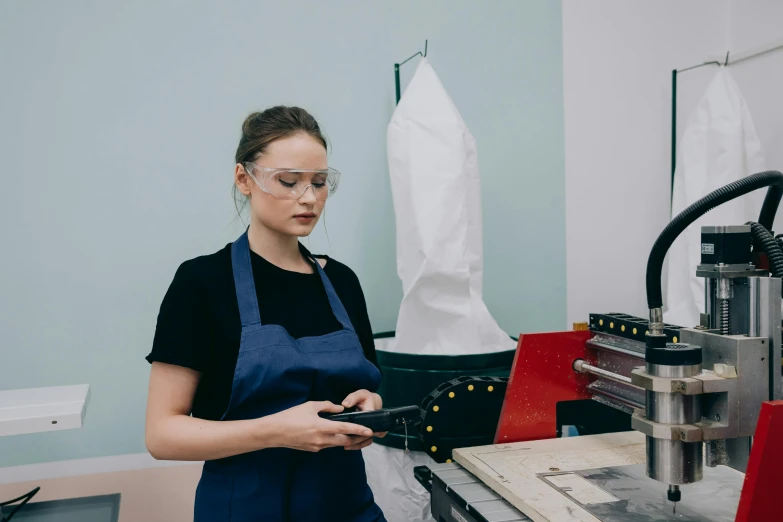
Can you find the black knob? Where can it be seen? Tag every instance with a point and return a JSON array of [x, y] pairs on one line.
[[674, 354], [655, 341]]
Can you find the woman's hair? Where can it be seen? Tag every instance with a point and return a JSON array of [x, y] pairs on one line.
[[260, 129]]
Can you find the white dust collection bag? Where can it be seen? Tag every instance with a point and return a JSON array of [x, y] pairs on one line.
[[396, 490], [433, 165], [719, 146]]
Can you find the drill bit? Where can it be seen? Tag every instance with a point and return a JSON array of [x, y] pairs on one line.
[[674, 495]]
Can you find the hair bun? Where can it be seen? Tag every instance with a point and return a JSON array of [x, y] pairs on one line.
[[248, 124], [262, 128]]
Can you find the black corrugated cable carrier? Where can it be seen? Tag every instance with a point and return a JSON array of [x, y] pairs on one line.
[[461, 413], [629, 327]]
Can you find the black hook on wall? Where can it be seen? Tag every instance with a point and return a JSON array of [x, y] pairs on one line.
[[397, 68]]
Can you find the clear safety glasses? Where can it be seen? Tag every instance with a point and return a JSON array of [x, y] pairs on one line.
[[292, 183]]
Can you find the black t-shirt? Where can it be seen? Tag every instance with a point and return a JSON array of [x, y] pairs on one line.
[[199, 327]]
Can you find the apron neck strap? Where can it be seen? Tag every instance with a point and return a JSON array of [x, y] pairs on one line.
[[243, 281], [246, 288], [334, 301]]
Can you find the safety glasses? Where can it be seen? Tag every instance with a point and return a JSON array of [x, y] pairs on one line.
[[292, 183]]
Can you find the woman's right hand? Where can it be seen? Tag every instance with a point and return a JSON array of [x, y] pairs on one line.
[[301, 428]]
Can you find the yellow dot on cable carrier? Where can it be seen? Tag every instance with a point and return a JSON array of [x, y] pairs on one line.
[[491, 388], [611, 325], [448, 461], [434, 449], [622, 328], [634, 331], [429, 428], [600, 322], [451, 395], [470, 387], [674, 339], [435, 408]]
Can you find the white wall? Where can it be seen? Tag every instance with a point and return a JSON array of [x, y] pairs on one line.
[[617, 59], [755, 23], [617, 63]]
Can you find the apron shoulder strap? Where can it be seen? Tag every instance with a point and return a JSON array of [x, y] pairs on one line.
[[334, 300], [243, 281]]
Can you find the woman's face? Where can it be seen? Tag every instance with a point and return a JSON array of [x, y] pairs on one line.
[[294, 217]]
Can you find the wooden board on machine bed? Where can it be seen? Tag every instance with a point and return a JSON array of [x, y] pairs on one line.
[[547, 481]]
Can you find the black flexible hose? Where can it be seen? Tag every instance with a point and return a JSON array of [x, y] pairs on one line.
[[771, 202], [764, 242], [771, 179], [24, 498], [779, 241]]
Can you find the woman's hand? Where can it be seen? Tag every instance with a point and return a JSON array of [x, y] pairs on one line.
[[364, 400], [301, 428]]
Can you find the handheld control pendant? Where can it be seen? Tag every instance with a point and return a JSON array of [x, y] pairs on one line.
[[378, 420]]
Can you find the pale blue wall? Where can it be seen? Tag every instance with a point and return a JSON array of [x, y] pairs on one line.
[[118, 125]]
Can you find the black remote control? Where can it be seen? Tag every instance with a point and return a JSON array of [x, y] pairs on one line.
[[378, 420]]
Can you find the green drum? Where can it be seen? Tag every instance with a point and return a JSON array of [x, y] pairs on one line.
[[408, 379]]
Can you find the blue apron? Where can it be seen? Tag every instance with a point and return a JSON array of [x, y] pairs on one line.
[[274, 372]]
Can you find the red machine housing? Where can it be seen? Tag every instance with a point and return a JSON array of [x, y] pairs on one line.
[[542, 375], [764, 477]]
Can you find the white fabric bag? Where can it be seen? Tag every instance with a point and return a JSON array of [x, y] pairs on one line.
[[719, 146], [396, 490], [434, 172]]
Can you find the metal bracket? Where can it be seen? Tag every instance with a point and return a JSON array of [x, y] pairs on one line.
[[705, 382], [730, 271], [728, 399], [685, 386], [719, 403], [701, 431], [683, 432]]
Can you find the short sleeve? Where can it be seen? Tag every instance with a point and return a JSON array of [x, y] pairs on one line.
[[357, 310], [364, 329], [183, 329]]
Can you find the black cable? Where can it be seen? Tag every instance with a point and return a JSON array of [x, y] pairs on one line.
[[30, 494], [771, 179], [24, 500], [764, 242]]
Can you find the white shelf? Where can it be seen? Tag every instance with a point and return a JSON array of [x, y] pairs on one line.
[[35, 410]]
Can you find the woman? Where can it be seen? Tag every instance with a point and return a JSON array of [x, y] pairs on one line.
[[254, 341]]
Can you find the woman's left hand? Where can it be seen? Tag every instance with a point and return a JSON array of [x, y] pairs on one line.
[[364, 400]]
